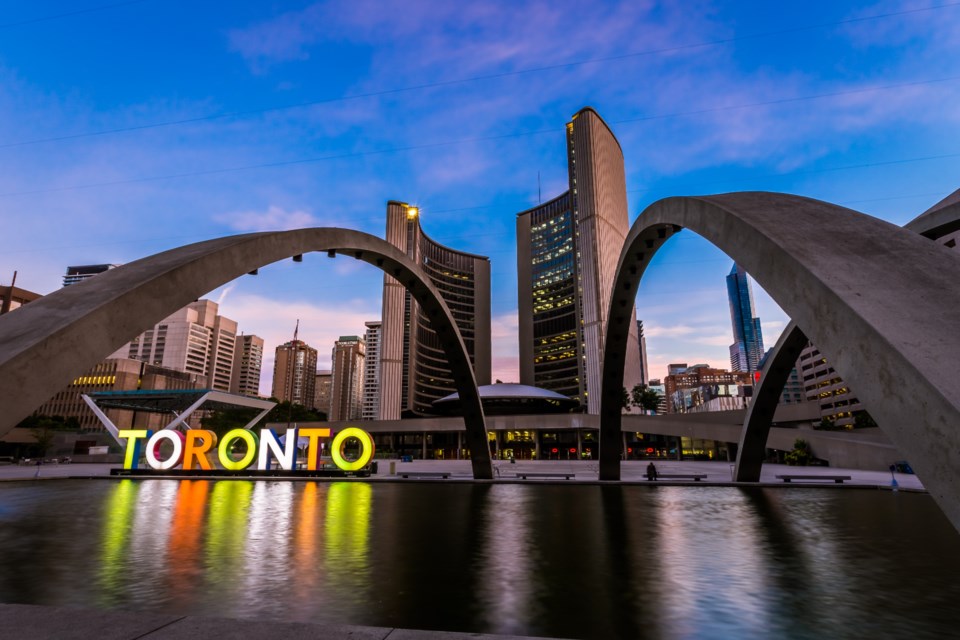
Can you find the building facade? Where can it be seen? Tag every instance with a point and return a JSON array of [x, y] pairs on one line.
[[12, 297], [119, 374], [295, 373], [195, 339], [247, 364], [747, 348], [322, 392], [371, 371], [567, 254], [83, 272], [346, 391], [413, 366], [703, 388]]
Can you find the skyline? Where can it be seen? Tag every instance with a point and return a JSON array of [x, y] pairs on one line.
[[459, 110]]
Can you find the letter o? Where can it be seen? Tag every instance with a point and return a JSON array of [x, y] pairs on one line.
[[366, 449], [223, 451], [153, 448]]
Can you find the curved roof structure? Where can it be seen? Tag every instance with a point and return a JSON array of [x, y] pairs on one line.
[[44, 345], [865, 291], [508, 398]]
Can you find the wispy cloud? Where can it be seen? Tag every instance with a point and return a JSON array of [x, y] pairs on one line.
[[273, 219]]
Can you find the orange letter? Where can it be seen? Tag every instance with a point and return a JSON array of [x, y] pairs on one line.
[[313, 448], [192, 449]]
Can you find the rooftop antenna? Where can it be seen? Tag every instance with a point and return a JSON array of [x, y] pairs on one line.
[[8, 299], [539, 197]]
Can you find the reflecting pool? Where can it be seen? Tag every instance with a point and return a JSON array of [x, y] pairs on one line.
[[580, 561]]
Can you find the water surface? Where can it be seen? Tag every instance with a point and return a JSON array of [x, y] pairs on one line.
[[580, 561]]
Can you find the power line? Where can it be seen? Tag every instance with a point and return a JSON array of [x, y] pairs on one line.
[[69, 14], [457, 81]]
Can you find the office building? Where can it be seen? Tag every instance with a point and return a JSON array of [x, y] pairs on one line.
[[247, 363], [346, 392], [824, 386], [567, 254], [81, 273], [644, 368], [322, 392], [747, 348], [195, 339], [295, 373], [371, 371], [413, 365], [119, 374], [703, 388]]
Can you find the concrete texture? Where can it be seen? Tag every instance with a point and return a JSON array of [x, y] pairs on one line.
[[719, 473], [46, 344], [863, 290], [31, 622], [939, 220]]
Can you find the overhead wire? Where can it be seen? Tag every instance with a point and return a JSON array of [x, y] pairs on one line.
[[458, 81]]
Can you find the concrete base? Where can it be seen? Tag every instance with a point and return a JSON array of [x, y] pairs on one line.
[[31, 622]]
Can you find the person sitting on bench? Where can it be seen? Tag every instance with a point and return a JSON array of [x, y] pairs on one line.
[[651, 471]]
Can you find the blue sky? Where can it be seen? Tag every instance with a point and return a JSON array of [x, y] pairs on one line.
[[127, 128]]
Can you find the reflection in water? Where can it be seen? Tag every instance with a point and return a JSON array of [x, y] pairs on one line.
[[510, 556], [120, 503], [346, 559], [572, 561]]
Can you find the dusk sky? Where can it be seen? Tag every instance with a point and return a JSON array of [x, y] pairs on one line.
[[128, 128]]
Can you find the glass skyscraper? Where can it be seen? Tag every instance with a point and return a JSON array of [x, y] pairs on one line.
[[747, 348]]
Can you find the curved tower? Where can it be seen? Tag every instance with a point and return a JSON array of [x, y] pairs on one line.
[[567, 252], [413, 370]]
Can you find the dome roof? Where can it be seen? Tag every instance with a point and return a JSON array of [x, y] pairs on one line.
[[507, 398]]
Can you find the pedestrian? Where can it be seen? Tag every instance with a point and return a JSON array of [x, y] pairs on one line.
[[37, 474], [651, 471]]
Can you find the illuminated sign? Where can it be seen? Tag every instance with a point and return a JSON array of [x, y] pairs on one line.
[[195, 448]]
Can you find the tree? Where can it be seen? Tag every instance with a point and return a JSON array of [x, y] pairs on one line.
[[224, 420], [801, 455], [645, 398], [624, 399]]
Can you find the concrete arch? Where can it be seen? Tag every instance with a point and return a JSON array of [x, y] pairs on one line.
[[878, 299], [46, 344], [939, 220]]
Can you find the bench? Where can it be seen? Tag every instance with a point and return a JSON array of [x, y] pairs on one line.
[[425, 474], [696, 477], [565, 476], [837, 479]]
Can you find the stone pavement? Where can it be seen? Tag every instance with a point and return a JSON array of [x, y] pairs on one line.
[[31, 622], [633, 471]]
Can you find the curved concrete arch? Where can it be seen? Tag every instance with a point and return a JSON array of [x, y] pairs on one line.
[[939, 220], [863, 290], [46, 344]]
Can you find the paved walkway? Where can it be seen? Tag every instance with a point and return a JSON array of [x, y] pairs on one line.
[[31, 622], [634, 471]]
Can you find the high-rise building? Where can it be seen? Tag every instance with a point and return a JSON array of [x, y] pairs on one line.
[[346, 393], [295, 373], [567, 254], [195, 339], [371, 371], [747, 348], [81, 273], [247, 363], [413, 366], [322, 392], [644, 369], [823, 385]]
